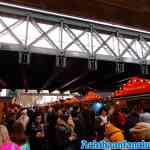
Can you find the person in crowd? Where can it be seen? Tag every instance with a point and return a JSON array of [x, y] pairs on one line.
[[51, 125], [5, 141], [113, 134], [71, 122], [10, 117], [62, 131], [17, 135], [144, 116], [24, 119], [100, 122], [111, 111], [37, 133], [141, 131], [119, 119], [65, 135], [85, 125], [103, 117], [75, 113], [132, 119]]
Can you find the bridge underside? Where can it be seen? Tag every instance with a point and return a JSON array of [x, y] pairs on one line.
[[43, 40]]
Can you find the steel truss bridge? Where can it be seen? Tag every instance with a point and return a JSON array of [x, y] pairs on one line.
[[30, 31]]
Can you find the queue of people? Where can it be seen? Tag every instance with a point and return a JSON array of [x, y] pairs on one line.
[[63, 128]]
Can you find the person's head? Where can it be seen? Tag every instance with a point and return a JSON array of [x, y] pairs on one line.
[[103, 112], [16, 109], [50, 109], [66, 116], [17, 133], [4, 135], [76, 108], [38, 118], [111, 110], [60, 113], [24, 112]]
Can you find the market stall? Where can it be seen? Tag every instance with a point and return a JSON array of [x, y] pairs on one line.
[[134, 86], [91, 96], [71, 101]]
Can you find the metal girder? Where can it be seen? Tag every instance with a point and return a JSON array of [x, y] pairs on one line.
[[49, 40], [148, 52], [10, 31], [73, 36], [104, 43], [129, 46], [61, 35], [14, 25], [55, 17], [126, 48], [27, 32], [142, 47], [95, 30], [109, 48], [74, 41], [92, 43], [42, 35]]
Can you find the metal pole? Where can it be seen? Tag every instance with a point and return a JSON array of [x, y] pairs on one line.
[[61, 34], [92, 46], [27, 32]]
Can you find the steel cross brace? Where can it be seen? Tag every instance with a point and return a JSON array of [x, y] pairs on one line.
[[13, 26], [129, 46], [11, 33], [148, 52], [143, 48], [49, 40], [102, 44], [73, 41], [105, 44], [43, 34], [126, 47], [73, 36]]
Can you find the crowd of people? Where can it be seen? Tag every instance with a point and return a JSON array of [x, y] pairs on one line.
[[63, 128]]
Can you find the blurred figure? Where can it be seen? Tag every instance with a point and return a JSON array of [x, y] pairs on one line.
[[119, 119], [144, 116], [17, 135], [24, 119], [111, 112], [4, 136], [65, 135], [5, 142], [62, 131], [113, 134], [100, 122], [103, 117], [132, 120], [51, 125], [85, 125], [37, 133], [10, 117]]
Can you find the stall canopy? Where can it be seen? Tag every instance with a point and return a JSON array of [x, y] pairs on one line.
[[91, 96], [135, 85], [72, 100]]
